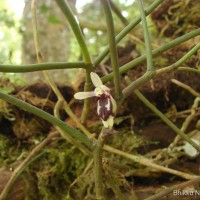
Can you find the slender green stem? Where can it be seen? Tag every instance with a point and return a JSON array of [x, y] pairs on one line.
[[113, 50], [46, 116], [87, 101], [148, 163], [98, 170], [155, 52], [188, 54], [146, 37], [68, 137], [180, 61], [75, 119], [127, 29], [150, 68], [166, 120], [149, 75], [38, 52], [42, 66], [189, 69], [35, 32], [98, 162], [61, 100], [117, 11], [76, 29], [79, 36], [138, 82]]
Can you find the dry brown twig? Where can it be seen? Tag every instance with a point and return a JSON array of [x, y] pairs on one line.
[[193, 109]]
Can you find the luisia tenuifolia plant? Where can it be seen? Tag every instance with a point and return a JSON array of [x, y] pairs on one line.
[[106, 105]]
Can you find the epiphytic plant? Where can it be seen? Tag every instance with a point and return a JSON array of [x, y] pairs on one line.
[[106, 106]]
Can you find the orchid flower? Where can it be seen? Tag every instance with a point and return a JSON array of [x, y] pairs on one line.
[[106, 105]]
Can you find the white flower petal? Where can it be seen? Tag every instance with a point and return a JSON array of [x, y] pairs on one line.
[[98, 91], [109, 122], [84, 95], [96, 80], [114, 104], [105, 88]]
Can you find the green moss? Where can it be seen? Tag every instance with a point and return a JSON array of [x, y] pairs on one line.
[[58, 169], [4, 149]]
